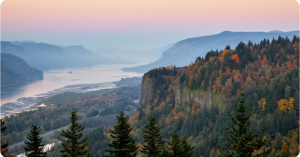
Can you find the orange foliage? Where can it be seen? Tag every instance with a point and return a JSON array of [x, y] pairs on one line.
[[236, 58], [190, 81], [228, 70], [289, 65], [238, 77], [295, 139], [224, 52], [220, 73], [167, 120], [284, 146], [170, 90], [190, 138], [264, 61]]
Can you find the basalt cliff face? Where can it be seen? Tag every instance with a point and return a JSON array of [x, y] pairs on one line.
[[145, 90], [182, 95]]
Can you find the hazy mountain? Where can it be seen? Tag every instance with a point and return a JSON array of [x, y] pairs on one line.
[[46, 56], [133, 55], [15, 69], [7, 47], [79, 51], [42, 48], [184, 52], [21, 42]]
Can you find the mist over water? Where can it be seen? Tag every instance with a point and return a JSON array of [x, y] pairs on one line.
[[58, 78]]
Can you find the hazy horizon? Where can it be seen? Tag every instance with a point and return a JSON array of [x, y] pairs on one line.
[[140, 25]]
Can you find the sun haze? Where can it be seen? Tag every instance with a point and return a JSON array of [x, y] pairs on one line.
[[139, 24]]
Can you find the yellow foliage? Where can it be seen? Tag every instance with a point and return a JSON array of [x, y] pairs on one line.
[[190, 138], [284, 105], [295, 139], [284, 146], [262, 103]]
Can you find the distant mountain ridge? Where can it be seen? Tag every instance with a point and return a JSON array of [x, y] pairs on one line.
[[132, 54], [15, 69], [46, 56], [184, 52]]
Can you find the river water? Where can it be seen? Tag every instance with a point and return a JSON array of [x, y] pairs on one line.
[[59, 78]]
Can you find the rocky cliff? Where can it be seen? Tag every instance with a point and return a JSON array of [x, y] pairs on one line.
[[182, 95]]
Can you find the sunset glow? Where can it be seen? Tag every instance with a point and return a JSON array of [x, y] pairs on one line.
[[139, 24]]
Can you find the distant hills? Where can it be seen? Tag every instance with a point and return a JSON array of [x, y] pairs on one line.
[[133, 55], [46, 56], [184, 52], [15, 69]]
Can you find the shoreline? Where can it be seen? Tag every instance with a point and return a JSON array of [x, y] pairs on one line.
[[30, 103]]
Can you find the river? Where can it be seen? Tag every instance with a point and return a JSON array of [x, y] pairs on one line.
[[12, 96]]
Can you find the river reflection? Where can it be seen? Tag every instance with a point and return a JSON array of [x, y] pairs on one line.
[[58, 78]]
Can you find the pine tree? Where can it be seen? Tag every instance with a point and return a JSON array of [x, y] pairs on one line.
[[123, 144], [178, 147], [175, 145], [4, 146], [186, 148], [164, 152], [34, 146], [74, 144], [153, 138], [242, 143], [297, 103]]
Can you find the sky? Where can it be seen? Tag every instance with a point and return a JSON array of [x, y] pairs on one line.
[[139, 24]]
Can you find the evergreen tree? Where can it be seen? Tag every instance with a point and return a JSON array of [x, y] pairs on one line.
[[206, 81], [243, 63], [296, 102], [278, 141], [242, 143], [34, 146], [164, 152], [254, 102], [287, 93], [177, 147], [186, 148], [74, 144], [4, 146], [153, 138], [273, 101], [175, 142], [123, 144]]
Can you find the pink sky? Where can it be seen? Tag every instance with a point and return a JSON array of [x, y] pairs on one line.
[[139, 24]]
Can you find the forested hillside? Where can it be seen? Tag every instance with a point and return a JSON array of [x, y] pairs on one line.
[[15, 69], [95, 109], [195, 99]]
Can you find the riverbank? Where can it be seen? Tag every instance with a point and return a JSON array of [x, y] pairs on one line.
[[30, 103]]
